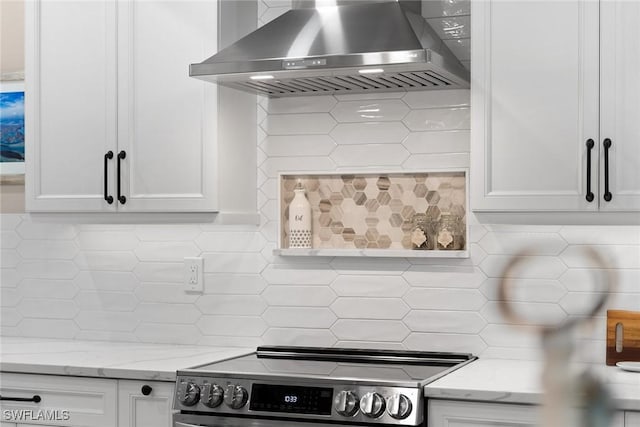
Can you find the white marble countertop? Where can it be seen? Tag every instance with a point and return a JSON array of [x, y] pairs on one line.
[[518, 381], [106, 359]]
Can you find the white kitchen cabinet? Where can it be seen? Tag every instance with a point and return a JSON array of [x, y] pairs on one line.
[[117, 81], [137, 409], [631, 419], [449, 413], [542, 88], [89, 401]]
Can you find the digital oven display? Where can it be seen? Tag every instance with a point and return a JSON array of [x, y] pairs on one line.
[[291, 399]]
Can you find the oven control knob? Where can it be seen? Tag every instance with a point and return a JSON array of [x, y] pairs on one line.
[[188, 393], [399, 406], [235, 396], [372, 405], [346, 403], [211, 395]]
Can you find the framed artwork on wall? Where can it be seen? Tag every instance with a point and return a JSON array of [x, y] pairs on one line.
[[12, 132]]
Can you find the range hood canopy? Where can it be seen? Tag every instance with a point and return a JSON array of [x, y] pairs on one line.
[[349, 46]]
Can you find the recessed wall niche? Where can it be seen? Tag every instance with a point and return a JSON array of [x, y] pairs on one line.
[[397, 214]]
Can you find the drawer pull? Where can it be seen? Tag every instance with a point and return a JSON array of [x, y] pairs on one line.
[[607, 193], [35, 399], [146, 390], [590, 195]]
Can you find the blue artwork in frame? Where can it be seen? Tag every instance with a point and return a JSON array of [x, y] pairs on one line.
[[12, 128]]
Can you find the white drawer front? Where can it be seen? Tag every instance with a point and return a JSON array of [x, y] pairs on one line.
[[88, 402]]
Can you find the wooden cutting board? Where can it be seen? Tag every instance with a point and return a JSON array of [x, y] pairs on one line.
[[623, 336]]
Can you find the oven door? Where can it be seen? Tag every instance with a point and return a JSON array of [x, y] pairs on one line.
[[194, 420]]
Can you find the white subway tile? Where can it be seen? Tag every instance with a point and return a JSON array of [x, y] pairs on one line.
[[451, 141], [47, 288], [533, 267], [45, 308], [527, 290], [368, 266], [295, 145], [437, 99], [438, 119], [298, 296], [370, 330], [9, 277], [47, 269], [10, 317], [106, 261], [601, 235], [444, 299], [48, 328], [220, 341], [161, 333], [47, 249], [159, 271], [9, 258], [10, 222], [270, 233], [370, 286], [301, 104], [231, 304], [299, 274], [436, 321], [106, 336], [437, 161], [167, 232], [10, 297], [369, 308], [299, 337], [167, 313], [369, 133], [9, 239], [617, 256], [370, 111], [164, 292], [581, 303], [240, 241], [445, 342], [237, 284], [106, 301], [511, 336], [106, 280], [369, 96], [513, 243], [107, 240], [247, 326], [440, 277], [274, 165], [587, 280], [271, 210], [476, 232], [476, 254], [166, 251], [107, 320], [299, 317], [44, 230], [366, 155], [376, 345], [519, 228], [229, 262], [534, 313], [270, 188], [298, 124]]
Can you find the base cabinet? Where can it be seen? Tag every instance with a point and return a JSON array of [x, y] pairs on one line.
[[84, 402], [143, 404], [454, 413]]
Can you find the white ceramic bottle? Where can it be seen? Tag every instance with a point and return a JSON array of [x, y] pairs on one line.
[[300, 219]]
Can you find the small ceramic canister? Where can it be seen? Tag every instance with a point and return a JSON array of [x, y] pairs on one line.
[[300, 219]]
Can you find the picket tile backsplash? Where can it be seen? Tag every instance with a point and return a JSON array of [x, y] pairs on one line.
[[123, 282]]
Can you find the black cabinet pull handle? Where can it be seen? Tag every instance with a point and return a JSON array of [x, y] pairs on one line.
[[35, 399], [607, 193], [146, 390], [107, 156], [121, 155], [590, 145]]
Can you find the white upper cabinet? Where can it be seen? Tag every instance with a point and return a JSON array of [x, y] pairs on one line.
[[542, 76], [620, 103], [117, 81]]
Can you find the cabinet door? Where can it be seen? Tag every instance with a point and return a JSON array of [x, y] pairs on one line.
[[138, 410], [166, 119], [445, 413], [70, 67], [620, 103], [534, 97], [631, 419]]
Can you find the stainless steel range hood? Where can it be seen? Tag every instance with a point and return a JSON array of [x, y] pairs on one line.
[[349, 46]]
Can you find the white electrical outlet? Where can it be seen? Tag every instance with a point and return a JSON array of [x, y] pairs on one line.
[[193, 274]]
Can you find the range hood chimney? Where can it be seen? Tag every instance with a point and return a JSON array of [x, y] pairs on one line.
[[338, 46]]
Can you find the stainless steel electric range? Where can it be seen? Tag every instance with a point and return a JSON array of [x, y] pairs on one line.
[[305, 386]]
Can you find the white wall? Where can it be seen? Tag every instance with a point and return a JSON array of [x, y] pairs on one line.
[[122, 282]]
